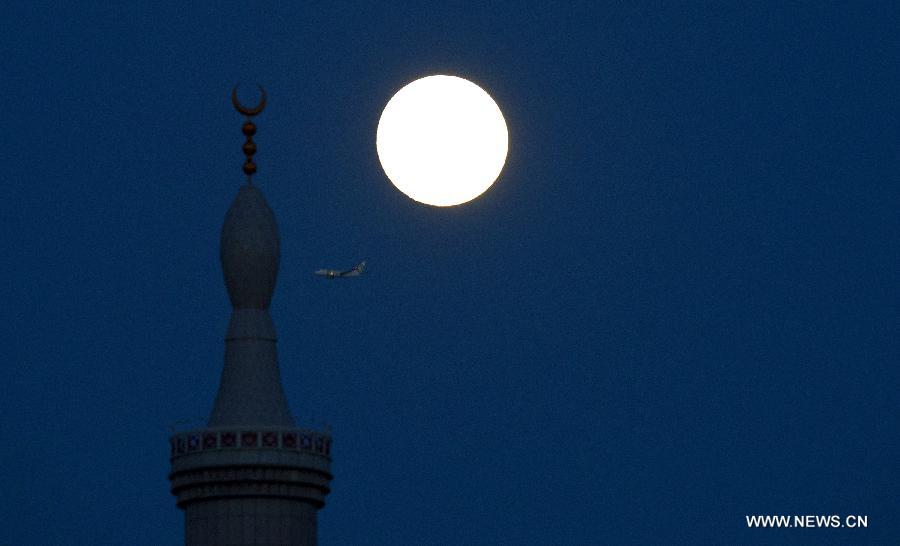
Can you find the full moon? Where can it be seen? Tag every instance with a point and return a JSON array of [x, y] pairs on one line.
[[442, 140]]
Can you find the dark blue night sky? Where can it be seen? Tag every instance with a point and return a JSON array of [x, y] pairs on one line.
[[677, 307]]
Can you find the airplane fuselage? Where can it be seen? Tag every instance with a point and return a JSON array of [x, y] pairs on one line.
[[332, 274], [356, 271]]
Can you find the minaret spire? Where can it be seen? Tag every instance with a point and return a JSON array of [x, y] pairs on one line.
[[250, 391], [250, 476]]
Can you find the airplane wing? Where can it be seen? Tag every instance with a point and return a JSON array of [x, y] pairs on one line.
[[356, 271]]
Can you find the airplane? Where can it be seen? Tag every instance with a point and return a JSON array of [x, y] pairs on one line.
[[355, 271]]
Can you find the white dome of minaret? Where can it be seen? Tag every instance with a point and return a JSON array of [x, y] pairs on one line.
[[250, 250]]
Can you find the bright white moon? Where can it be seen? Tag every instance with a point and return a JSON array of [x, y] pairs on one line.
[[442, 140]]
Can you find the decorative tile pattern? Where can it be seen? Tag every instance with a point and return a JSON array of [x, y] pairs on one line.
[[248, 439], [291, 439]]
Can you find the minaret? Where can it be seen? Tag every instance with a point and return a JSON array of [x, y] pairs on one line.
[[250, 477]]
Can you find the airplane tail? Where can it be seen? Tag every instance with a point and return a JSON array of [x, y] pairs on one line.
[[360, 266]]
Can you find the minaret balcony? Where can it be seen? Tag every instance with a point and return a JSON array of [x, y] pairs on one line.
[[234, 462]]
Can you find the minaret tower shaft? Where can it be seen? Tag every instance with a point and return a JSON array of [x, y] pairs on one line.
[[250, 477]]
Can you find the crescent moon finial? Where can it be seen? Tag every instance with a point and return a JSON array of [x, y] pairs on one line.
[[249, 129], [249, 112]]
